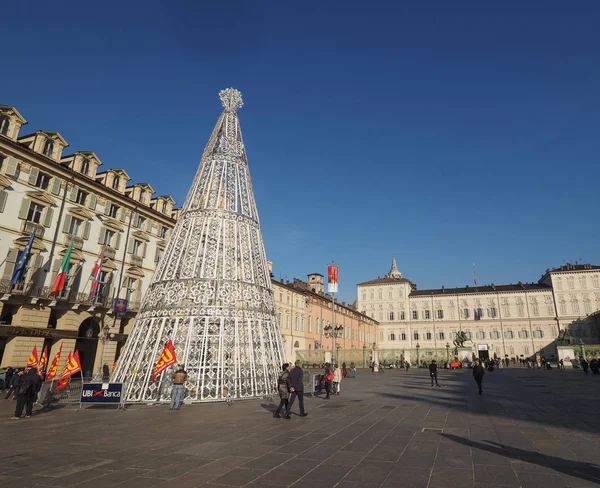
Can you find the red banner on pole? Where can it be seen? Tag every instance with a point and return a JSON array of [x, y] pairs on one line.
[[54, 366], [43, 360], [167, 358], [332, 278], [33, 358]]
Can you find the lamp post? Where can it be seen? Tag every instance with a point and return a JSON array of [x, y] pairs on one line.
[[447, 351], [581, 349], [418, 347]]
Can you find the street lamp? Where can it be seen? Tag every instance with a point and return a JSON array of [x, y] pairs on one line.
[[447, 351], [418, 347], [104, 336]]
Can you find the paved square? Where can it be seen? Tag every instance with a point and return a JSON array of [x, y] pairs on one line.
[[530, 428]]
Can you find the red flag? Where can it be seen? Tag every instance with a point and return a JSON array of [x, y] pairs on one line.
[[62, 382], [167, 358], [33, 358], [96, 275], [73, 366], [54, 366], [43, 360]]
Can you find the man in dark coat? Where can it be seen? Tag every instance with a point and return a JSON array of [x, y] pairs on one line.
[[22, 391], [298, 386], [8, 377], [478, 373], [14, 384], [36, 384], [433, 372]]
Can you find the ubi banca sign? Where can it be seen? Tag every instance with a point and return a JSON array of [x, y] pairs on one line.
[[101, 393]]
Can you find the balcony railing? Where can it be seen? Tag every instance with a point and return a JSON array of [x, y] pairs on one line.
[[32, 290], [77, 241], [136, 260], [28, 227]]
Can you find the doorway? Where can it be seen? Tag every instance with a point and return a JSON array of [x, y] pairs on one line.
[[87, 345]]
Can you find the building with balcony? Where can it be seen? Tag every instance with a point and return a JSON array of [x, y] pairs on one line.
[[306, 320], [516, 320], [65, 198]]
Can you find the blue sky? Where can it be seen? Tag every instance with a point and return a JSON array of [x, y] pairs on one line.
[[445, 132]]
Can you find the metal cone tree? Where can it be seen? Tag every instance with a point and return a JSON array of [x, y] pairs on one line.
[[211, 293]]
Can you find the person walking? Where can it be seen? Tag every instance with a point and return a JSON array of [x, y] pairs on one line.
[[337, 380], [298, 390], [105, 373], [284, 388], [595, 366], [23, 391], [585, 366], [8, 377], [36, 384], [179, 378], [14, 384], [328, 378], [433, 372], [478, 373]]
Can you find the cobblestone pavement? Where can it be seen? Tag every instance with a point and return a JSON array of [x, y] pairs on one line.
[[530, 428]]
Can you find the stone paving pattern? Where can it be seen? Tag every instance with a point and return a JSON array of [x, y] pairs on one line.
[[531, 428]]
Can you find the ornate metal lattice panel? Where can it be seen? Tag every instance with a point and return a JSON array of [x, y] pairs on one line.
[[211, 292]]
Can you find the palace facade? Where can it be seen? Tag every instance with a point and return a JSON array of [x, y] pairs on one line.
[[515, 320], [64, 198]]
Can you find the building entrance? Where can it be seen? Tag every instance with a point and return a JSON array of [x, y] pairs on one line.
[[87, 345]]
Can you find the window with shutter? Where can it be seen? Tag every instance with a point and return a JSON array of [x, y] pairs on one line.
[[101, 236], [55, 186], [118, 241], [73, 194], [123, 215], [130, 245], [24, 210], [33, 175], [11, 166], [67, 224], [3, 197], [86, 231], [48, 217], [55, 268], [9, 264], [93, 201], [107, 206]]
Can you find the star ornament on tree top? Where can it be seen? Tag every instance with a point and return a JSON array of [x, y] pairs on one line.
[[231, 99]]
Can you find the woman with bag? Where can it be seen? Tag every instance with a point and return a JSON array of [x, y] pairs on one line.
[[284, 387], [337, 380]]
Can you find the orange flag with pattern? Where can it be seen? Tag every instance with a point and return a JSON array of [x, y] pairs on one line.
[[167, 358], [33, 358], [64, 380], [43, 359], [73, 366], [54, 366]]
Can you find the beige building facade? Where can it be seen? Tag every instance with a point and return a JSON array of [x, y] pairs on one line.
[[306, 318], [514, 320], [66, 197]]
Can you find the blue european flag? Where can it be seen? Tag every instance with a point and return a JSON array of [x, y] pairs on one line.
[[22, 261]]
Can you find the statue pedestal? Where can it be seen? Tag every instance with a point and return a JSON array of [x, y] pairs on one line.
[[465, 353], [567, 354]]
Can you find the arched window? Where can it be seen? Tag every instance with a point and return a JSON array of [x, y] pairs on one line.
[[116, 182], [48, 148], [4, 122], [85, 167]]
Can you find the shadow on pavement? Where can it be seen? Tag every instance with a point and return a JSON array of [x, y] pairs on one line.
[[578, 469]]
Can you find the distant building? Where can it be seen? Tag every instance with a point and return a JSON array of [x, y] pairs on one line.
[[66, 198], [304, 312], [515, 320]]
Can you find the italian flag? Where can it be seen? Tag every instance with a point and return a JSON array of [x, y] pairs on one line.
[[61, 278]]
